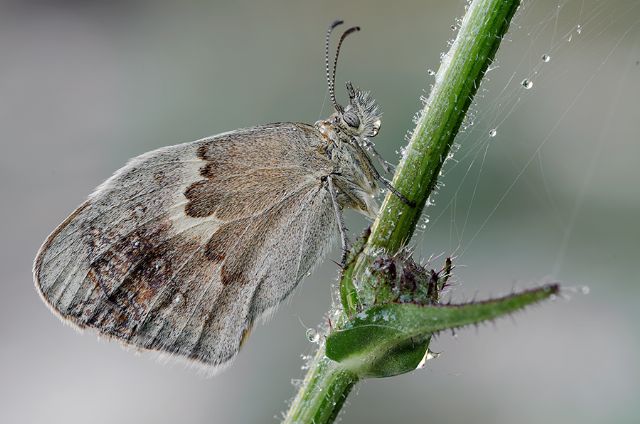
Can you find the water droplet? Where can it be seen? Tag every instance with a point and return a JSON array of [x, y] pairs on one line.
[[454, 27], [431, 72], [585, 290], [579, 29], [493, 132], [136, 244], [312, 335], [177, 299], [546, 58], [527, 83]]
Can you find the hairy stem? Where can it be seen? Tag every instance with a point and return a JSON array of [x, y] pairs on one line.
[[457, 81], [327, 383], [324, 390]]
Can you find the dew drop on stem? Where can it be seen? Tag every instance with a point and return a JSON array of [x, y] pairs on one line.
[[527, 83], [312, 335]]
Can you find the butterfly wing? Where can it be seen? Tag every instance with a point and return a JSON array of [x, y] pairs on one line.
[[183, 248]]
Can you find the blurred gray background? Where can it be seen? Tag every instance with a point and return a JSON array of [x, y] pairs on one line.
[[86, 85]]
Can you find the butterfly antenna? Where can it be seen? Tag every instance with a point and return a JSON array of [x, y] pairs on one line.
[[335, 64], [330, 82]]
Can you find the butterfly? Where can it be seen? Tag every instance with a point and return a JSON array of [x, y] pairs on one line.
[[186, 246]]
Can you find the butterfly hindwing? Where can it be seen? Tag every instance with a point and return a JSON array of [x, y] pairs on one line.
[[183, 248]]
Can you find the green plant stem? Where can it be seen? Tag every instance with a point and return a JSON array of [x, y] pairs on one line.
[[456, 82], [324, 390], [327, 384]]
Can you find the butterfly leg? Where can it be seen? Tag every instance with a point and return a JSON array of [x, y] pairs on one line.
[[343, 229], [393, 190], [383, 163], [385, 182]]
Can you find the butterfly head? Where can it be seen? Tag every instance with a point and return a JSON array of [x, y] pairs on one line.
[[361, 117]]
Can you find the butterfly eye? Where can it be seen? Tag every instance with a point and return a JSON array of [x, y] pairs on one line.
[[351, 118]]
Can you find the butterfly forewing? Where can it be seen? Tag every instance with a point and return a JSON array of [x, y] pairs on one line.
[[183, 248]]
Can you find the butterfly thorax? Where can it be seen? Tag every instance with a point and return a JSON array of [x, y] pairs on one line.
[[354, 174]]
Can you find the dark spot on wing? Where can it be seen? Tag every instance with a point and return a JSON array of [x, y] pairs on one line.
[[208, 171], [129, 275], [233, 275], [202, 151], [223, 240], [203, 199]]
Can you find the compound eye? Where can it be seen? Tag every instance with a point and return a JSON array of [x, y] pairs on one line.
[[375, 128], [351, 119]]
